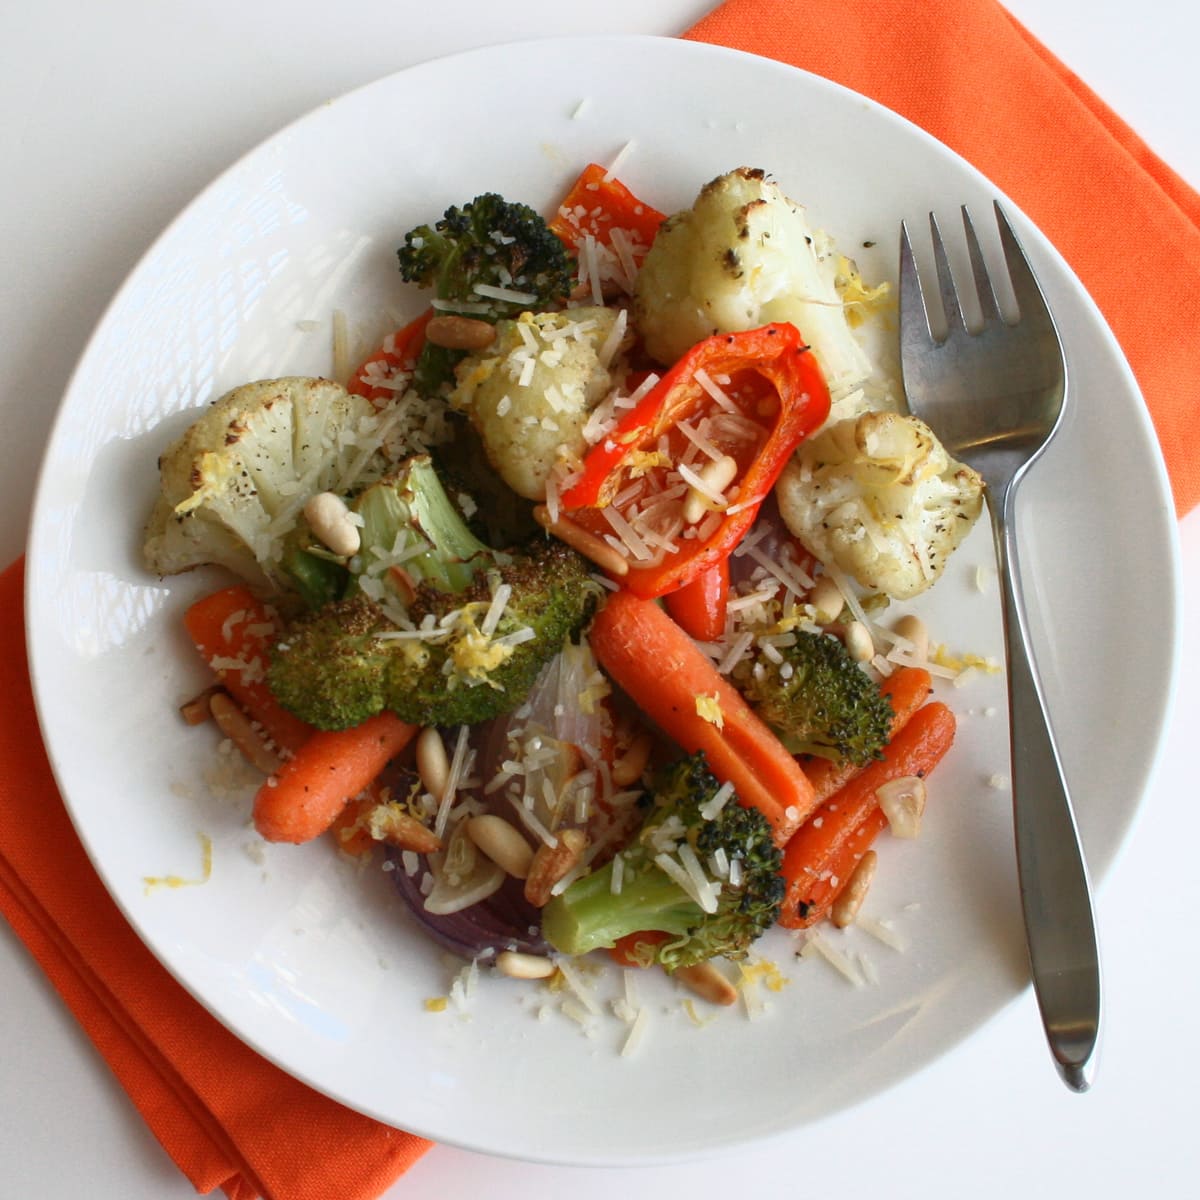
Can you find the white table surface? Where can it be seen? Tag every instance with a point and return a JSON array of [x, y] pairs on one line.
[[115, 114]]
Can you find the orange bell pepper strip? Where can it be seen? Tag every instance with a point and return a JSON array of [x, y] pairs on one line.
[[765, 394], [596, 204]]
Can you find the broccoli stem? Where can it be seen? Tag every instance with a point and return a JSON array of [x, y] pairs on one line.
[[414, 504], [590, 916]]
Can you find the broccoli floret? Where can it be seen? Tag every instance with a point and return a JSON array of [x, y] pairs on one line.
[[723, 851], [818, 700], [491, 242], [435, 625]]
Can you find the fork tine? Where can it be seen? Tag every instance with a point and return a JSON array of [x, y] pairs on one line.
[[1031, 304], [988, 308], [950, 306], [912, 295]]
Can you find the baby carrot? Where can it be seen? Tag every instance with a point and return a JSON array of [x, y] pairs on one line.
[[907, 688], [824, 890], [324, 774], [677, 687], [233, 630], [811, 856]]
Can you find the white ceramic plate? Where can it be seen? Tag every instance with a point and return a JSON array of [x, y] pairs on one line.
[[312, 961]]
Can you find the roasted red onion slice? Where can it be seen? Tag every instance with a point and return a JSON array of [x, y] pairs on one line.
[[504, 921]]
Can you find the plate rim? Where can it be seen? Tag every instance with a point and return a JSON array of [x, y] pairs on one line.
[[34, 574]]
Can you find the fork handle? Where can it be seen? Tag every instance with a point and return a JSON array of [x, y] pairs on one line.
[[1056, 900]]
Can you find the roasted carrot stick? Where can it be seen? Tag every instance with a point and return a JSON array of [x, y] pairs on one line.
[[907, 688], [233, 630], [324, 774], [811, 856], [673, 683]]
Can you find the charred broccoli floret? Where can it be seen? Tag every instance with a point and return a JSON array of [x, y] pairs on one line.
[[435, 625], [703, 869], [476, 259], [818, 700]]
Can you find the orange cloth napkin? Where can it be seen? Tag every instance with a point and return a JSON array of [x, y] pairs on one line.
[[228, 1118], [968, 73]]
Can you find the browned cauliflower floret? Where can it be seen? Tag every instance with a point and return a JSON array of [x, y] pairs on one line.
[[235, 484], [531, 392], [742, 256], [879, 497]]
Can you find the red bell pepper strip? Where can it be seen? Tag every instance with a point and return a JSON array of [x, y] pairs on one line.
[[596, 204], [769, 382], [699, 607], [399, 352]]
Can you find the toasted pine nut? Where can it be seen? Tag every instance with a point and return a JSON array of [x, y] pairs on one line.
[[432, 764], [516, 965], [826, 597], [628, 768], [196, 710], [854, 892], [390, 823], [707, 982], [502, 842], [913, 629], [859, 642], [243, 733], [551, 863], [903, 803], [330, 521], [588, 544], [460, 333], [717, 474]]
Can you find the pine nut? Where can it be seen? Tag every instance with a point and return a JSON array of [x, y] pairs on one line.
[[433, 766], [859, 642], [705, 981], [912, 628], [460, 333], [578, 538], [903, 803], [502, 842], [717, 474], [196, 710], [331, 524], [390, 823], [551, 863], [850, 898], [826, 597], [627, 770], [516, 965], [243, 733]]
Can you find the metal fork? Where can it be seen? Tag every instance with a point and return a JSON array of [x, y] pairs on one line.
[[995, 397]]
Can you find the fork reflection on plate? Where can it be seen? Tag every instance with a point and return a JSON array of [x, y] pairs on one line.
[[995, 396]]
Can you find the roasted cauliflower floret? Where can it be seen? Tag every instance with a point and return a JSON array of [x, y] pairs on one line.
[[742, 256], [879, 497], [234, 485], [530, 393]]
